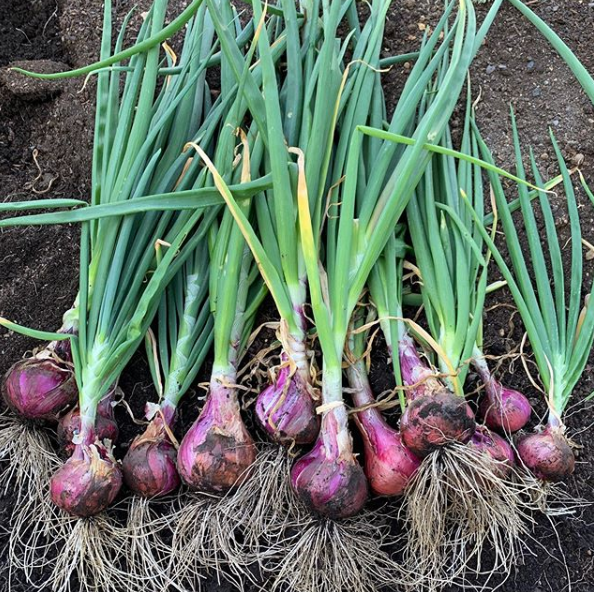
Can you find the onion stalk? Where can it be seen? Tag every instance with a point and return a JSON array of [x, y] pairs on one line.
[[184, 339], [364, 223], [304, 110], [176, 352], [139, 151], [347, 272], [365, 205], [560, 328], [217, 454], [217, 457], [449, 524]]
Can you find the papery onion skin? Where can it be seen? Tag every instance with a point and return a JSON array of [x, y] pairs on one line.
[[504, 408], [498, 448], [149, 466], [217, 451], [39, 388], [286, 410], [430, 422], [548, 454], [328, 479], [88, 482]]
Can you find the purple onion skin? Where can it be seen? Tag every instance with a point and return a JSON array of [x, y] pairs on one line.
[[39, 388], [217, 451], [503, 408], [433, 421], [286, 411], [149, 466], [415, 371], [87, 482], [547, 455], [328, 479], [496, 447], [105, 428], [63, 348], [389, 464]]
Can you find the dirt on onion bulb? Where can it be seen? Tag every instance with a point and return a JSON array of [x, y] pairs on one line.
[[434, 416], [39, 387], [217, 451], [433, 421], [149, 466]]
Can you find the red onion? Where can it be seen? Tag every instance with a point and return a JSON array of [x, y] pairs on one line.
[[389, 465], [434, 416], [328, 479], [89, 480], [105, 427], [217, 451], [286, 409], [39, 387], [496, 447], [431, 422], [502, 408], [149, 466], [547, 454]]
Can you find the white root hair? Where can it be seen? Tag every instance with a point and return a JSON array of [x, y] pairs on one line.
[[232, 535], [28, 459], [457, 505], [147, 552], [269, 509], [550, 499], [321, 555], [102, 553], [84, 554]]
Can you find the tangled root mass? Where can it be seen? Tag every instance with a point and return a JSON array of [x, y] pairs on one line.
[[457, 505]]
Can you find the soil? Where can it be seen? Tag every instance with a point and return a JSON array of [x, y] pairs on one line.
[[45, 151]]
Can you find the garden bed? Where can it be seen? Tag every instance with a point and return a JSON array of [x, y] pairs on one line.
[[45, 151]]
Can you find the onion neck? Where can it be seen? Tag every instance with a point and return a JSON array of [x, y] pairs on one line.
[[556, 399], [334, 429], [414, 371], [362, 395], [167, 410], [92, 384], [554, 421], [482, 369], [88, 416], [222, 393], [294, 345]]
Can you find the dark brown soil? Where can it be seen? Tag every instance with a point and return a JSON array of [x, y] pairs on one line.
[[45, 150]]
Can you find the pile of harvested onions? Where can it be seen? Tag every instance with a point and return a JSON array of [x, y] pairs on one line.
[[290, 179]]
